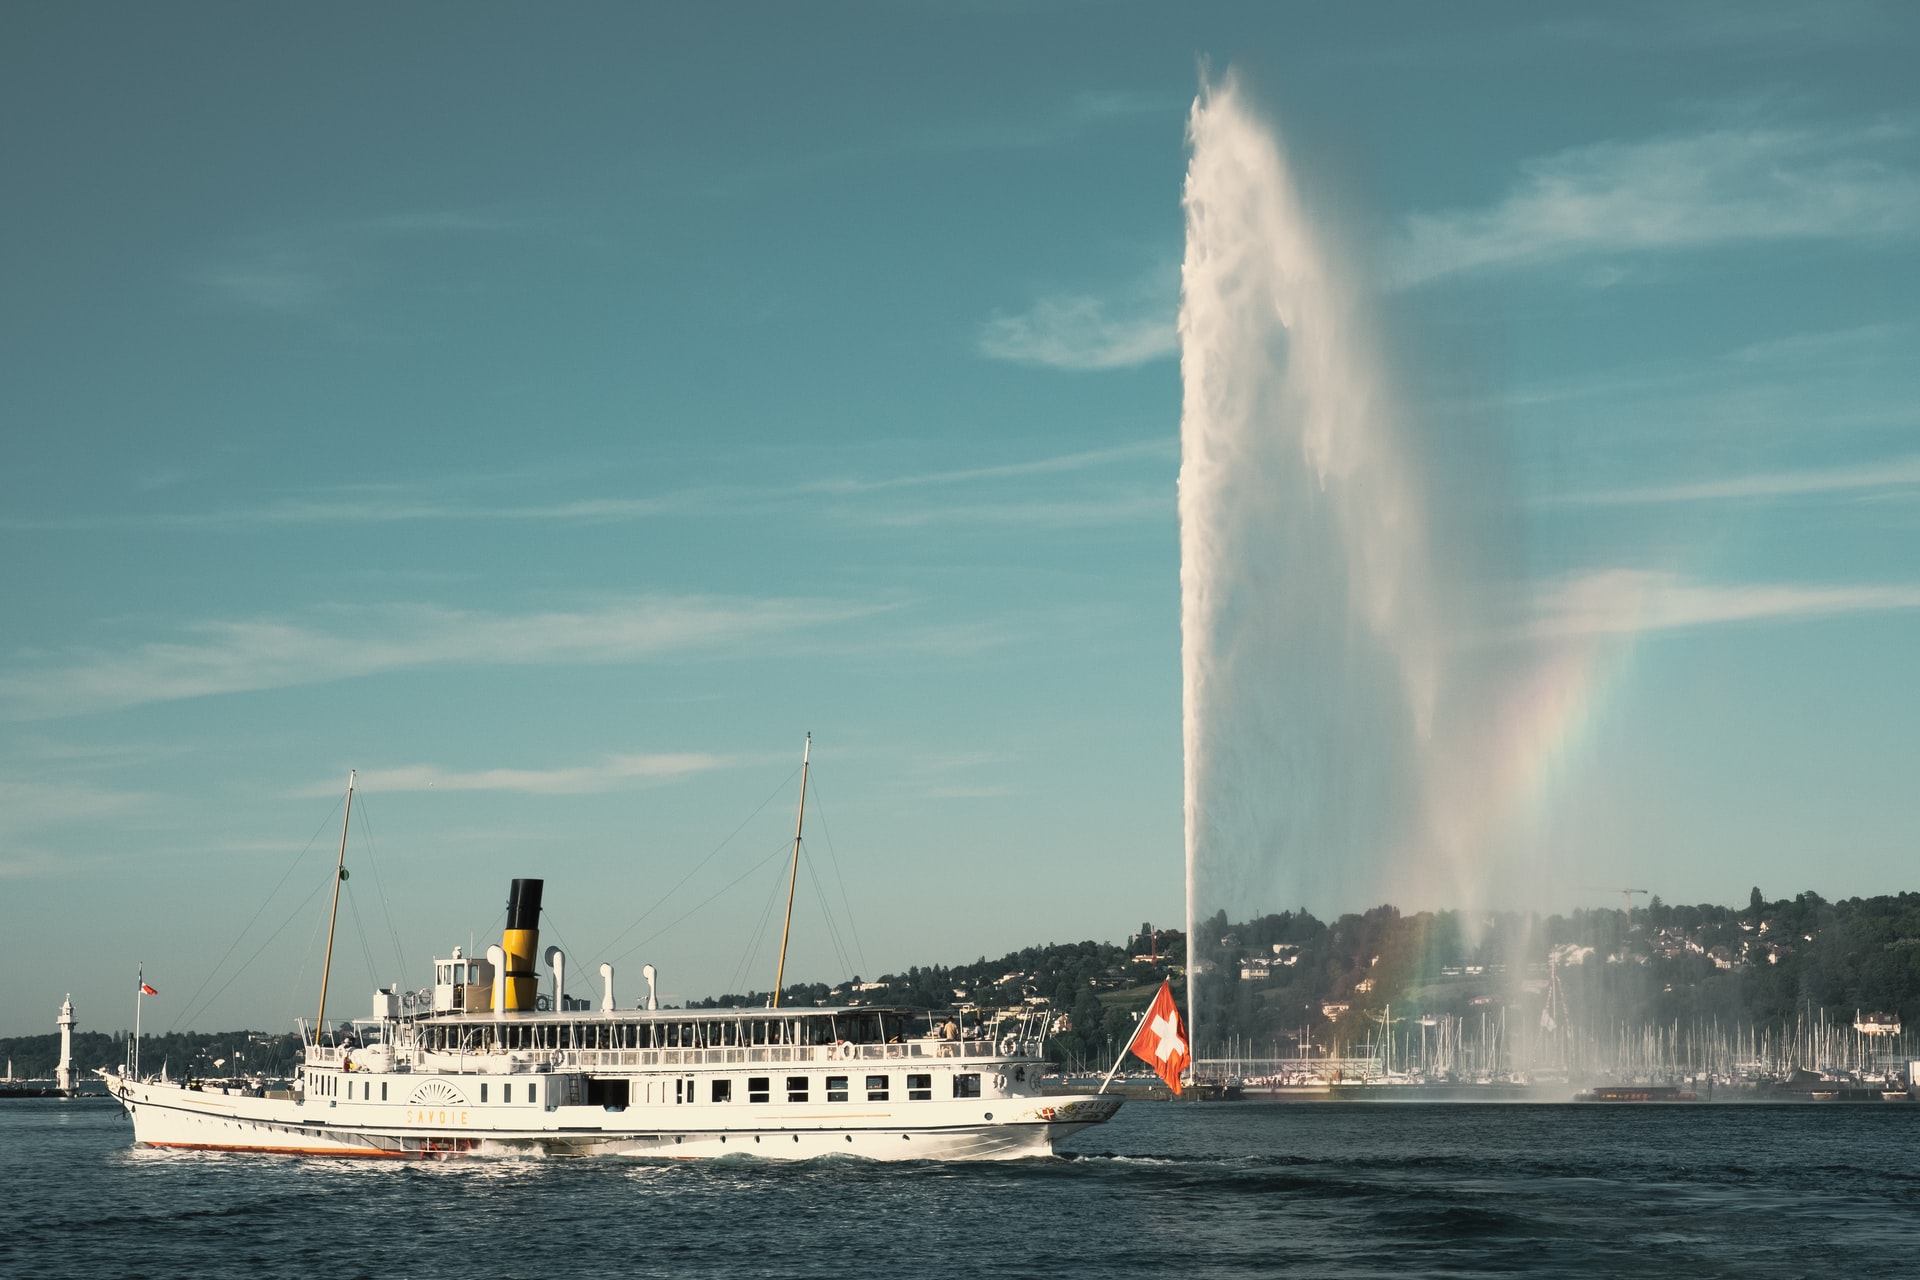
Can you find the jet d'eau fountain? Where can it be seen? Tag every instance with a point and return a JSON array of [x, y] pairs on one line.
[[1358, 716]]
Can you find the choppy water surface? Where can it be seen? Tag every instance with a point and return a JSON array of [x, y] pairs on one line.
[[1203, 1190]]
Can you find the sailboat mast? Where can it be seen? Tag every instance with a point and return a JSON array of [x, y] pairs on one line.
[[793, 874], [339, 874]]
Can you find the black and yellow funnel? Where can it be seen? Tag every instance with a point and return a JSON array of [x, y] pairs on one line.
[[521, 942]]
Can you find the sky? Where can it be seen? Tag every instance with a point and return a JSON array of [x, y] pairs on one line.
[[555, 415]]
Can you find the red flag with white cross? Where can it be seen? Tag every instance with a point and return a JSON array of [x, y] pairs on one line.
[[1161, 1040]]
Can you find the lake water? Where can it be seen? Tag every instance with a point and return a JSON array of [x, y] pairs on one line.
[[1165, 1190]]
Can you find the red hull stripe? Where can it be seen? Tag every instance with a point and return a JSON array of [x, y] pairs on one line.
[[302, 1151]]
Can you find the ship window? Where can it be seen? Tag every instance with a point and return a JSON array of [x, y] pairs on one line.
[[758, 1088], [383, 1091], [723, 1091], [876, 1088], [483, 1093], [533, 1092], [506, 1093], [966, 1084], [836, 1088], [919, 1088], [609, 1093], [796, 1088]]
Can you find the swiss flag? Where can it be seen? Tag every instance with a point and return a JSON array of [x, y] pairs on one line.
[[1161, 1040], [146, 990]]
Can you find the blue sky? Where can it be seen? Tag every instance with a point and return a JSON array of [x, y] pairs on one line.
[[554, 415]]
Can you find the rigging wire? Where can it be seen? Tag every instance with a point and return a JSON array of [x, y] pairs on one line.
[[546, 919], [662, 900], [716, 893], [353, 907], [306, 957], [834, 857], [257, 911], [826, 913], [754, 941], [269, 940], [380, 889]]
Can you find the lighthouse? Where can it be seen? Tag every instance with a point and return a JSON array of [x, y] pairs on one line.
[[63, 1074]]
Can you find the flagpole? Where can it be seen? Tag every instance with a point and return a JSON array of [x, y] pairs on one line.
[[1139, 1021], [139, 998]]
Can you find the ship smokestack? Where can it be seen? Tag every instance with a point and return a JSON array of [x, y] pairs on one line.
[[520, 985]]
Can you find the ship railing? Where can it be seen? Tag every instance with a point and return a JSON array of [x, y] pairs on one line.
[[521, 1062], [748, 1055]]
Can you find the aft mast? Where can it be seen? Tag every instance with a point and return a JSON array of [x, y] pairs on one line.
[[793, 874], [339, 874]]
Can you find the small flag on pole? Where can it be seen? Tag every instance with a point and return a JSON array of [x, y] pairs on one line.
[[146, 990], [1162, 1039]]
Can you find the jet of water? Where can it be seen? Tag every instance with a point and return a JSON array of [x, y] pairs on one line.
[[1310, 646], [1371, 690]]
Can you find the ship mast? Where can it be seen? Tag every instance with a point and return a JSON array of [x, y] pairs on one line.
[[793, 875], [339, 874]]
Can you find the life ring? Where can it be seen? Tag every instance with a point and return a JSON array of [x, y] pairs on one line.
[[842, 1050], [1007, 1046]]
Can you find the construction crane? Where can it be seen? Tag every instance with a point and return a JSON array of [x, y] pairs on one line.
[[1626, 894]]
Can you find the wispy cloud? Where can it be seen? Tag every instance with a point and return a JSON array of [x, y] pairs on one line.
[[1880, 477], [238, 656], [1863, 344], [1089, 331], [983, 792], [1054, 124], [1722, 186], [1038, 513], [35, 864], [300, 270], [1063, 123], [1057, 464], [860, 498], [35, 805], [1791, 361], [611, 774], [1621, 602], [28, 805]]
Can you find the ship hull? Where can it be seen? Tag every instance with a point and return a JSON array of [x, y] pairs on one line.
[[169, 1115]]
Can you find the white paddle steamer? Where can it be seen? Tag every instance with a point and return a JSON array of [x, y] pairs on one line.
[[473, 1065]]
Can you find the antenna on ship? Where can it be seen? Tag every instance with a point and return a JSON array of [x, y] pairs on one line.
[[339, 874], [793, 875]]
